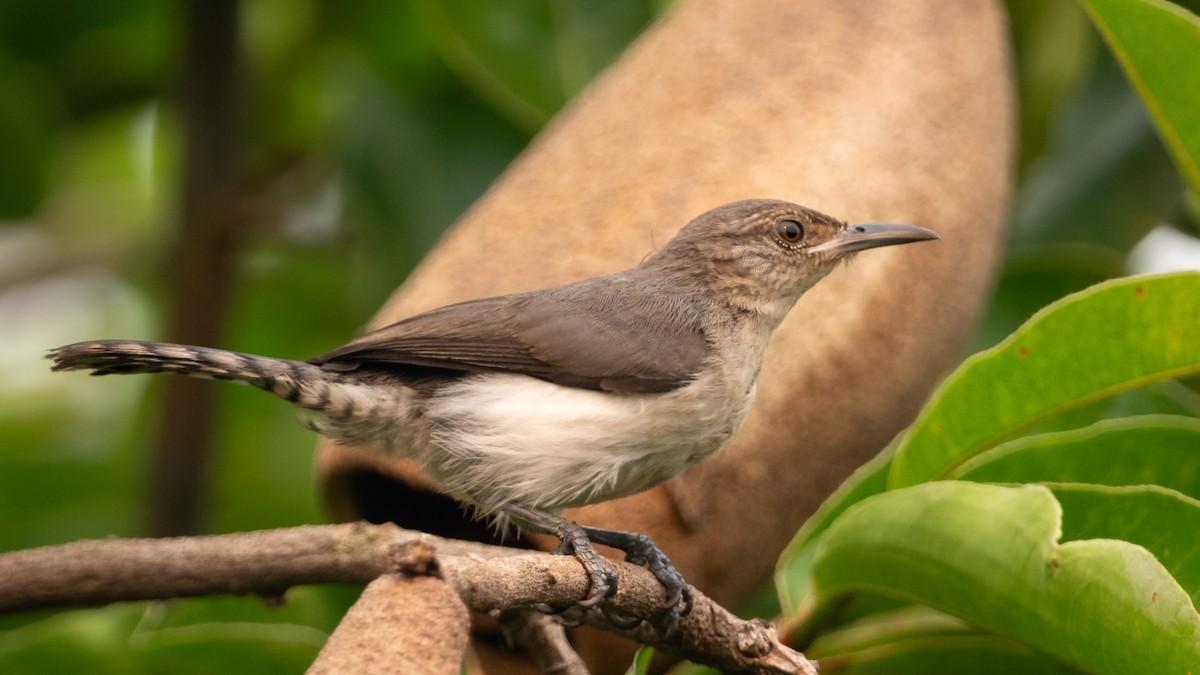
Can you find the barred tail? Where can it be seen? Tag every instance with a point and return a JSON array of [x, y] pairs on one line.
[[301, 383]]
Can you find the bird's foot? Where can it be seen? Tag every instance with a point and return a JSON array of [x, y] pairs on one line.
[[640, 550], [577, 540], [573, 540]]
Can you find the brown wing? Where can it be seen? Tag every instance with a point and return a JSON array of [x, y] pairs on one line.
[[596, 334]]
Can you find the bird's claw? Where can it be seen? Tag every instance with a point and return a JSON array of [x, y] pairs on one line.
[[639, 550], [679, 597], [620, 621], [602, 578]]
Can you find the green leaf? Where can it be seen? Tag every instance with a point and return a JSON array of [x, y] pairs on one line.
[[992, 556], [1153, 40], [977, 654], [1162, 521], [1149, 450], [641, 661], [920, 640], [1112, 337], [794, 569]]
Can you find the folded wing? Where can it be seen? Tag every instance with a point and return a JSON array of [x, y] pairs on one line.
[[593, 335]]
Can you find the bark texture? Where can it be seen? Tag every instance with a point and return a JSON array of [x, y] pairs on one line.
[[412, 625]]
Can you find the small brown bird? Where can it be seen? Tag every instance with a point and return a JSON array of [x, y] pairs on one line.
[[524, 405]]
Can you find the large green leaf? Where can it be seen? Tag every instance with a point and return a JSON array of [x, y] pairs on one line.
[[1158, 44], [992, 555], [1149, 449], [794, 569], [1112, 337], [977, 654], [920, 640], [1162, 521]]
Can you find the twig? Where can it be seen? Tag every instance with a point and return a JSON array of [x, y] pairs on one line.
[[543, 638]]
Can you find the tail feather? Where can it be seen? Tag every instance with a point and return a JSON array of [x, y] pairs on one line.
[[349, 409], [296, 381]]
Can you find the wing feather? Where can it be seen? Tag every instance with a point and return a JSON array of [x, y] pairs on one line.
[[594, 334]]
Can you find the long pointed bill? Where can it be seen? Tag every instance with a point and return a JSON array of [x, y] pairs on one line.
[[859, 237]]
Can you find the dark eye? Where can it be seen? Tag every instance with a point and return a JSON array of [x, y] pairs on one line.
[[790, 231]]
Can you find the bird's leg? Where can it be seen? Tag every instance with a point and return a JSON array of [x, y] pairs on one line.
[[640, 550], [573, 540]]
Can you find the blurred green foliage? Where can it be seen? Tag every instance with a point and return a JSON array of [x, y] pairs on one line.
[[368, 127]]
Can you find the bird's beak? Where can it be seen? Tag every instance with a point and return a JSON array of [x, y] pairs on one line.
[[859, 237]]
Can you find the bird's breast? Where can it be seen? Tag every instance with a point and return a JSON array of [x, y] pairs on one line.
[[504, 437]]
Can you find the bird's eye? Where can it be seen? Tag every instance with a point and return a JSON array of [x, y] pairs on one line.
[[790, 231]]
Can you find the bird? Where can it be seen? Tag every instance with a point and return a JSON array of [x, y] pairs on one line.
[[524, 405]]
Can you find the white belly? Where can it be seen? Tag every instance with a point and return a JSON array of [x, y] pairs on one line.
[[496, 438]]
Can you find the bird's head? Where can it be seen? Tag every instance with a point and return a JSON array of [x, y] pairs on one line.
[[763, 254]]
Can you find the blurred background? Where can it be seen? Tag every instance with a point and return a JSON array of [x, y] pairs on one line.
[[260, 175]]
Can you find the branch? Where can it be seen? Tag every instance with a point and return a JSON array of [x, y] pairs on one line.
[[488, 579], [544, 639], [412, 625]]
